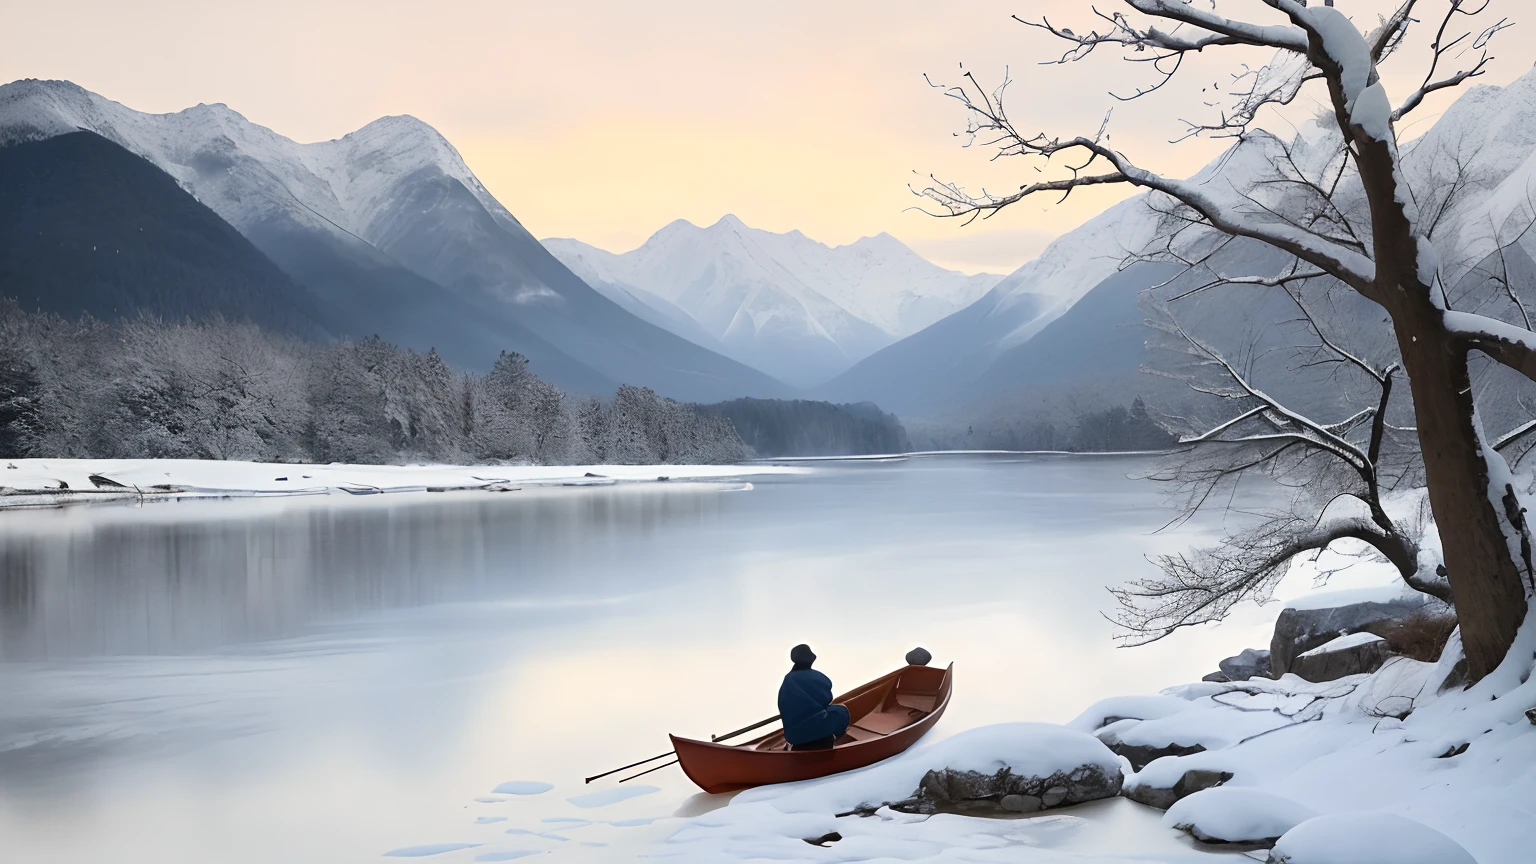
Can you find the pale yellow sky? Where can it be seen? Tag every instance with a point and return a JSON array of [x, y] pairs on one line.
[[604, 120]]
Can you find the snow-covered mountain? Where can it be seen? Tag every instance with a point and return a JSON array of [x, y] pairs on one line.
[[1492, 132], [784, 303], [1067, 322], [389, 225], [938, 367]]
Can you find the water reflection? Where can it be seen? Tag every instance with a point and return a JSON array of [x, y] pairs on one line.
[[171, 578]]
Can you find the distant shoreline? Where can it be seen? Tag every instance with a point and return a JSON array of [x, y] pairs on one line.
[[923, 454]]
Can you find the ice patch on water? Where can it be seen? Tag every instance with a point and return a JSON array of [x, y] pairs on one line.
[[571, 821], [611, 796], [507, 856], [631, 823], [594, 843], [488, 800], [520, 831], [429, 849], [523, 787], [486, 820]]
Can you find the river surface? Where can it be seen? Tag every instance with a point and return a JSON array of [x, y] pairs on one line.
[[332, 679]]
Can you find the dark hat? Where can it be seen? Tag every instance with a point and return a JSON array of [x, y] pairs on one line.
[[918, 657], [802, 655]]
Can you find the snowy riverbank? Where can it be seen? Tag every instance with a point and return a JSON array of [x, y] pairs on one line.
[[1392, 766], [53, 482]]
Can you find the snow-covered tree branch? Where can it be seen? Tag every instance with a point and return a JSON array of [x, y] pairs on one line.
[[1335, 476]]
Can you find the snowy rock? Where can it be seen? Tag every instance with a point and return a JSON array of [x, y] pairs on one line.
[[974, 770], [1302, 627], [1021, 803], [1142, 755], [1251, 663], [1163, 797], [970, 791], [1355, 654], [1366, 838], [1236, 815]]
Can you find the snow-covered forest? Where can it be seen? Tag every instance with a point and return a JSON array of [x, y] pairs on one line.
[[217, 390]]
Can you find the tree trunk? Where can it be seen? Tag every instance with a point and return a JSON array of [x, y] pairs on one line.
[[1485, 577]]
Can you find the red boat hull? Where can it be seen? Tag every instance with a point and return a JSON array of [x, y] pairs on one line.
[[888, 715]]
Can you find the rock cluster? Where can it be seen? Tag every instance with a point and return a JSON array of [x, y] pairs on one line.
[[1298, 631], [947, 790]]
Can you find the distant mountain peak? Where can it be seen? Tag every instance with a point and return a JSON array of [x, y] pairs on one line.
[[791, 305]]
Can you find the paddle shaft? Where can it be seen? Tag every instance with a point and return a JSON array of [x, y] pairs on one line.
[[745, 729], [648, 770], [740, 731], [632, 765]]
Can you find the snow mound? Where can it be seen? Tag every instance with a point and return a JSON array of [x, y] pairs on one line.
[[1102, 712], [1028, 749], [1367, 838], [1344, 643], [1236, 815]]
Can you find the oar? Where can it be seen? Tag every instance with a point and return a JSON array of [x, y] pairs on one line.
[[745, 729], [632, 765], [648, 770], [740, 731]]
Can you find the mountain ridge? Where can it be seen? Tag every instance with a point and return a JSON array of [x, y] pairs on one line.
[[336, 215]]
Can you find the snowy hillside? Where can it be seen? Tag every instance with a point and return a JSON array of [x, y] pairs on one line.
[[389, 225], [1015, 340], [798, 309], [1493, 131]]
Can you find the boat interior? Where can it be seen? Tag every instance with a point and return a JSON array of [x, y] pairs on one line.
[[881, 707]]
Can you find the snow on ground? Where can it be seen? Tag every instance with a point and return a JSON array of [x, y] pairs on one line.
[[47, 482], [1368, 838], [1453, 782], [1117, 708]]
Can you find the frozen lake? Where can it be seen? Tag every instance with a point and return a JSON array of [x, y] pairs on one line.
[[332, 679]]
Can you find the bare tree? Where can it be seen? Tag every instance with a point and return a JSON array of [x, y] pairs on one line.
[[1337, 476], [1384, 253]]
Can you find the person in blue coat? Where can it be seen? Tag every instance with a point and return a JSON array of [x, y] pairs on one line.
[[811, 721]]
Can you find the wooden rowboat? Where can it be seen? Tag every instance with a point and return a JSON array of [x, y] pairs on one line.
[[887, 716]]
